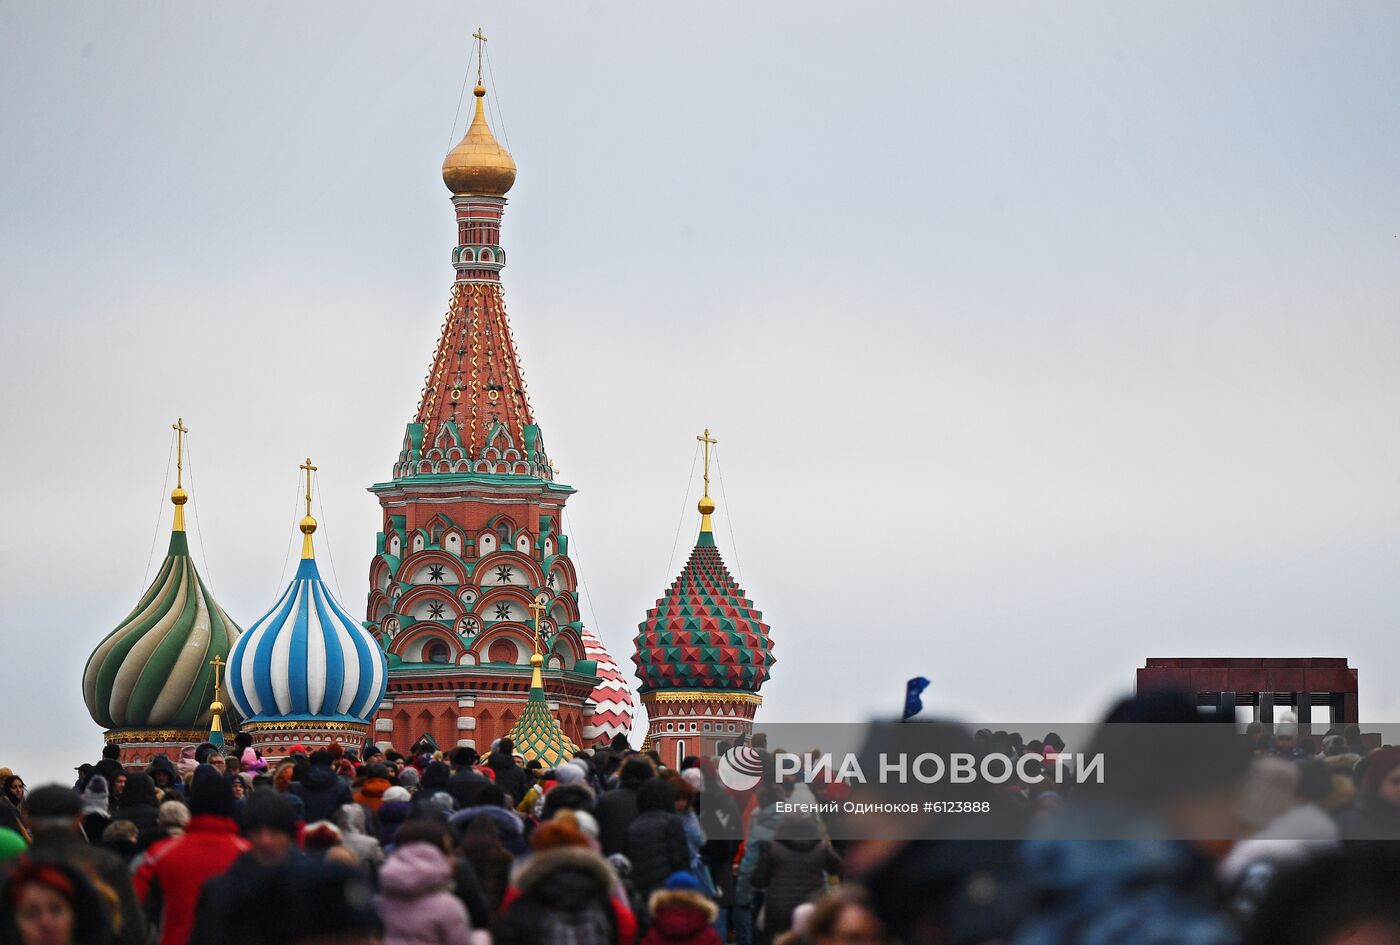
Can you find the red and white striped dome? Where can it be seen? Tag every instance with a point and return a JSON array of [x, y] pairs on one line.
[[613, 714]]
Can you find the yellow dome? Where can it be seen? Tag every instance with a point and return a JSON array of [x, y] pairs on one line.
[[179, 496], [308, 525], [479, 165], [706, 505]]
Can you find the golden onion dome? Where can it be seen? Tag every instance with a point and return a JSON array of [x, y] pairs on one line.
[[479, 166]]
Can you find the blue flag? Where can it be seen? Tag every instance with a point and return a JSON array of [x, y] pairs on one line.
[[913, 701]]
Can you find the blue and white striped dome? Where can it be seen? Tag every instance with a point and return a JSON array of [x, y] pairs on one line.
[[307, 659]]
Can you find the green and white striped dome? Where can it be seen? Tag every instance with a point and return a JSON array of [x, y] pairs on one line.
[[153, 671]]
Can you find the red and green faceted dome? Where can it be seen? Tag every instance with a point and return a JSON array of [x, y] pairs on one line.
[[704, 634]]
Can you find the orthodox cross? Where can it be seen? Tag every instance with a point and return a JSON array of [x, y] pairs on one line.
[[218, 663], [480, 37], [309, 470], [180, 430], [709, 441], [537, 607]]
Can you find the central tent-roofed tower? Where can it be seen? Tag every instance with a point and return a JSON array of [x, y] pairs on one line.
[[472, 532]]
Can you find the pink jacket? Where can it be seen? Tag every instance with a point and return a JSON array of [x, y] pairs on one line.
[[416, 902]]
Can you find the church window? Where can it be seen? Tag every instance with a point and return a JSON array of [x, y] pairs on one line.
[[438, 652]]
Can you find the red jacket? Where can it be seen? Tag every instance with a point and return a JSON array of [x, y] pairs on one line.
[[182, 865]]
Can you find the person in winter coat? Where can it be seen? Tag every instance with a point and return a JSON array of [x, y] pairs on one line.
[[1112, 865], [617, 808], [465, 781], [175, 870], [1376, 813], [396, 808], [567, 894], [372, 788], [55, 819], [166, 778], [681, 914], [432, 783], [510, 777], [230, 906], [792, 869], [140, 806], [322, 791], [722, 823], [111, 765], [491, 803], [97, 807], [416, 902], [481, 846], [49, 901], [354, 830], [656, 842]]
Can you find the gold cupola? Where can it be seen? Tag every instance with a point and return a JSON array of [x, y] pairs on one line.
[[479, 166]]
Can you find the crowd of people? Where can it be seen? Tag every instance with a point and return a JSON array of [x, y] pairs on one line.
[[1266, 837]]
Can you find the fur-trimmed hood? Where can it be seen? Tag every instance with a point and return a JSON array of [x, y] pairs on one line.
[[542, 867], [681, 913]]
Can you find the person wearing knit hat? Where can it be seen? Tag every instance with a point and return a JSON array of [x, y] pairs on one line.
[[97, 806], [396, 808], [409, 778], [271, 825], [173, 817], [562, 831], [1376, 813]]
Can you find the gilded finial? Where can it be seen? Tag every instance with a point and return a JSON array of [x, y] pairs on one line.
[[706, 504], [216, 708], [178, 495], [308, 524], [537, 607], [478, 165]]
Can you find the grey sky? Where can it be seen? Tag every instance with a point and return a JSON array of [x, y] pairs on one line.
[[1039, 340]]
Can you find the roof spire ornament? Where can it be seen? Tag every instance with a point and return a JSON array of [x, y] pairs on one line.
[[706, 504], [178, 495], [308, 524], [478, 165], [216, 708], [537, 733]]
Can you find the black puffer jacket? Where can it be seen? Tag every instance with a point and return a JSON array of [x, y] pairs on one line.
[[792, 868], [510, 777], [1369, 819], [565, 896], [323, 793], [656, 844]]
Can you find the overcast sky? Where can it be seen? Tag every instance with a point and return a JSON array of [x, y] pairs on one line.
[[1038, 339]]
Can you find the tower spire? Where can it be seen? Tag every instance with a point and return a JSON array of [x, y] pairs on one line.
[[537, 607], [179, 496], [308, 524], [706, 504], [216, 708]]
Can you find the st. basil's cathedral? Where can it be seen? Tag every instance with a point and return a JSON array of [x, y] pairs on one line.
[[472, 629]]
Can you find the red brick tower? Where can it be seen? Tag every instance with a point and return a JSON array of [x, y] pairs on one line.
[[702, 653], [472, 533]]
